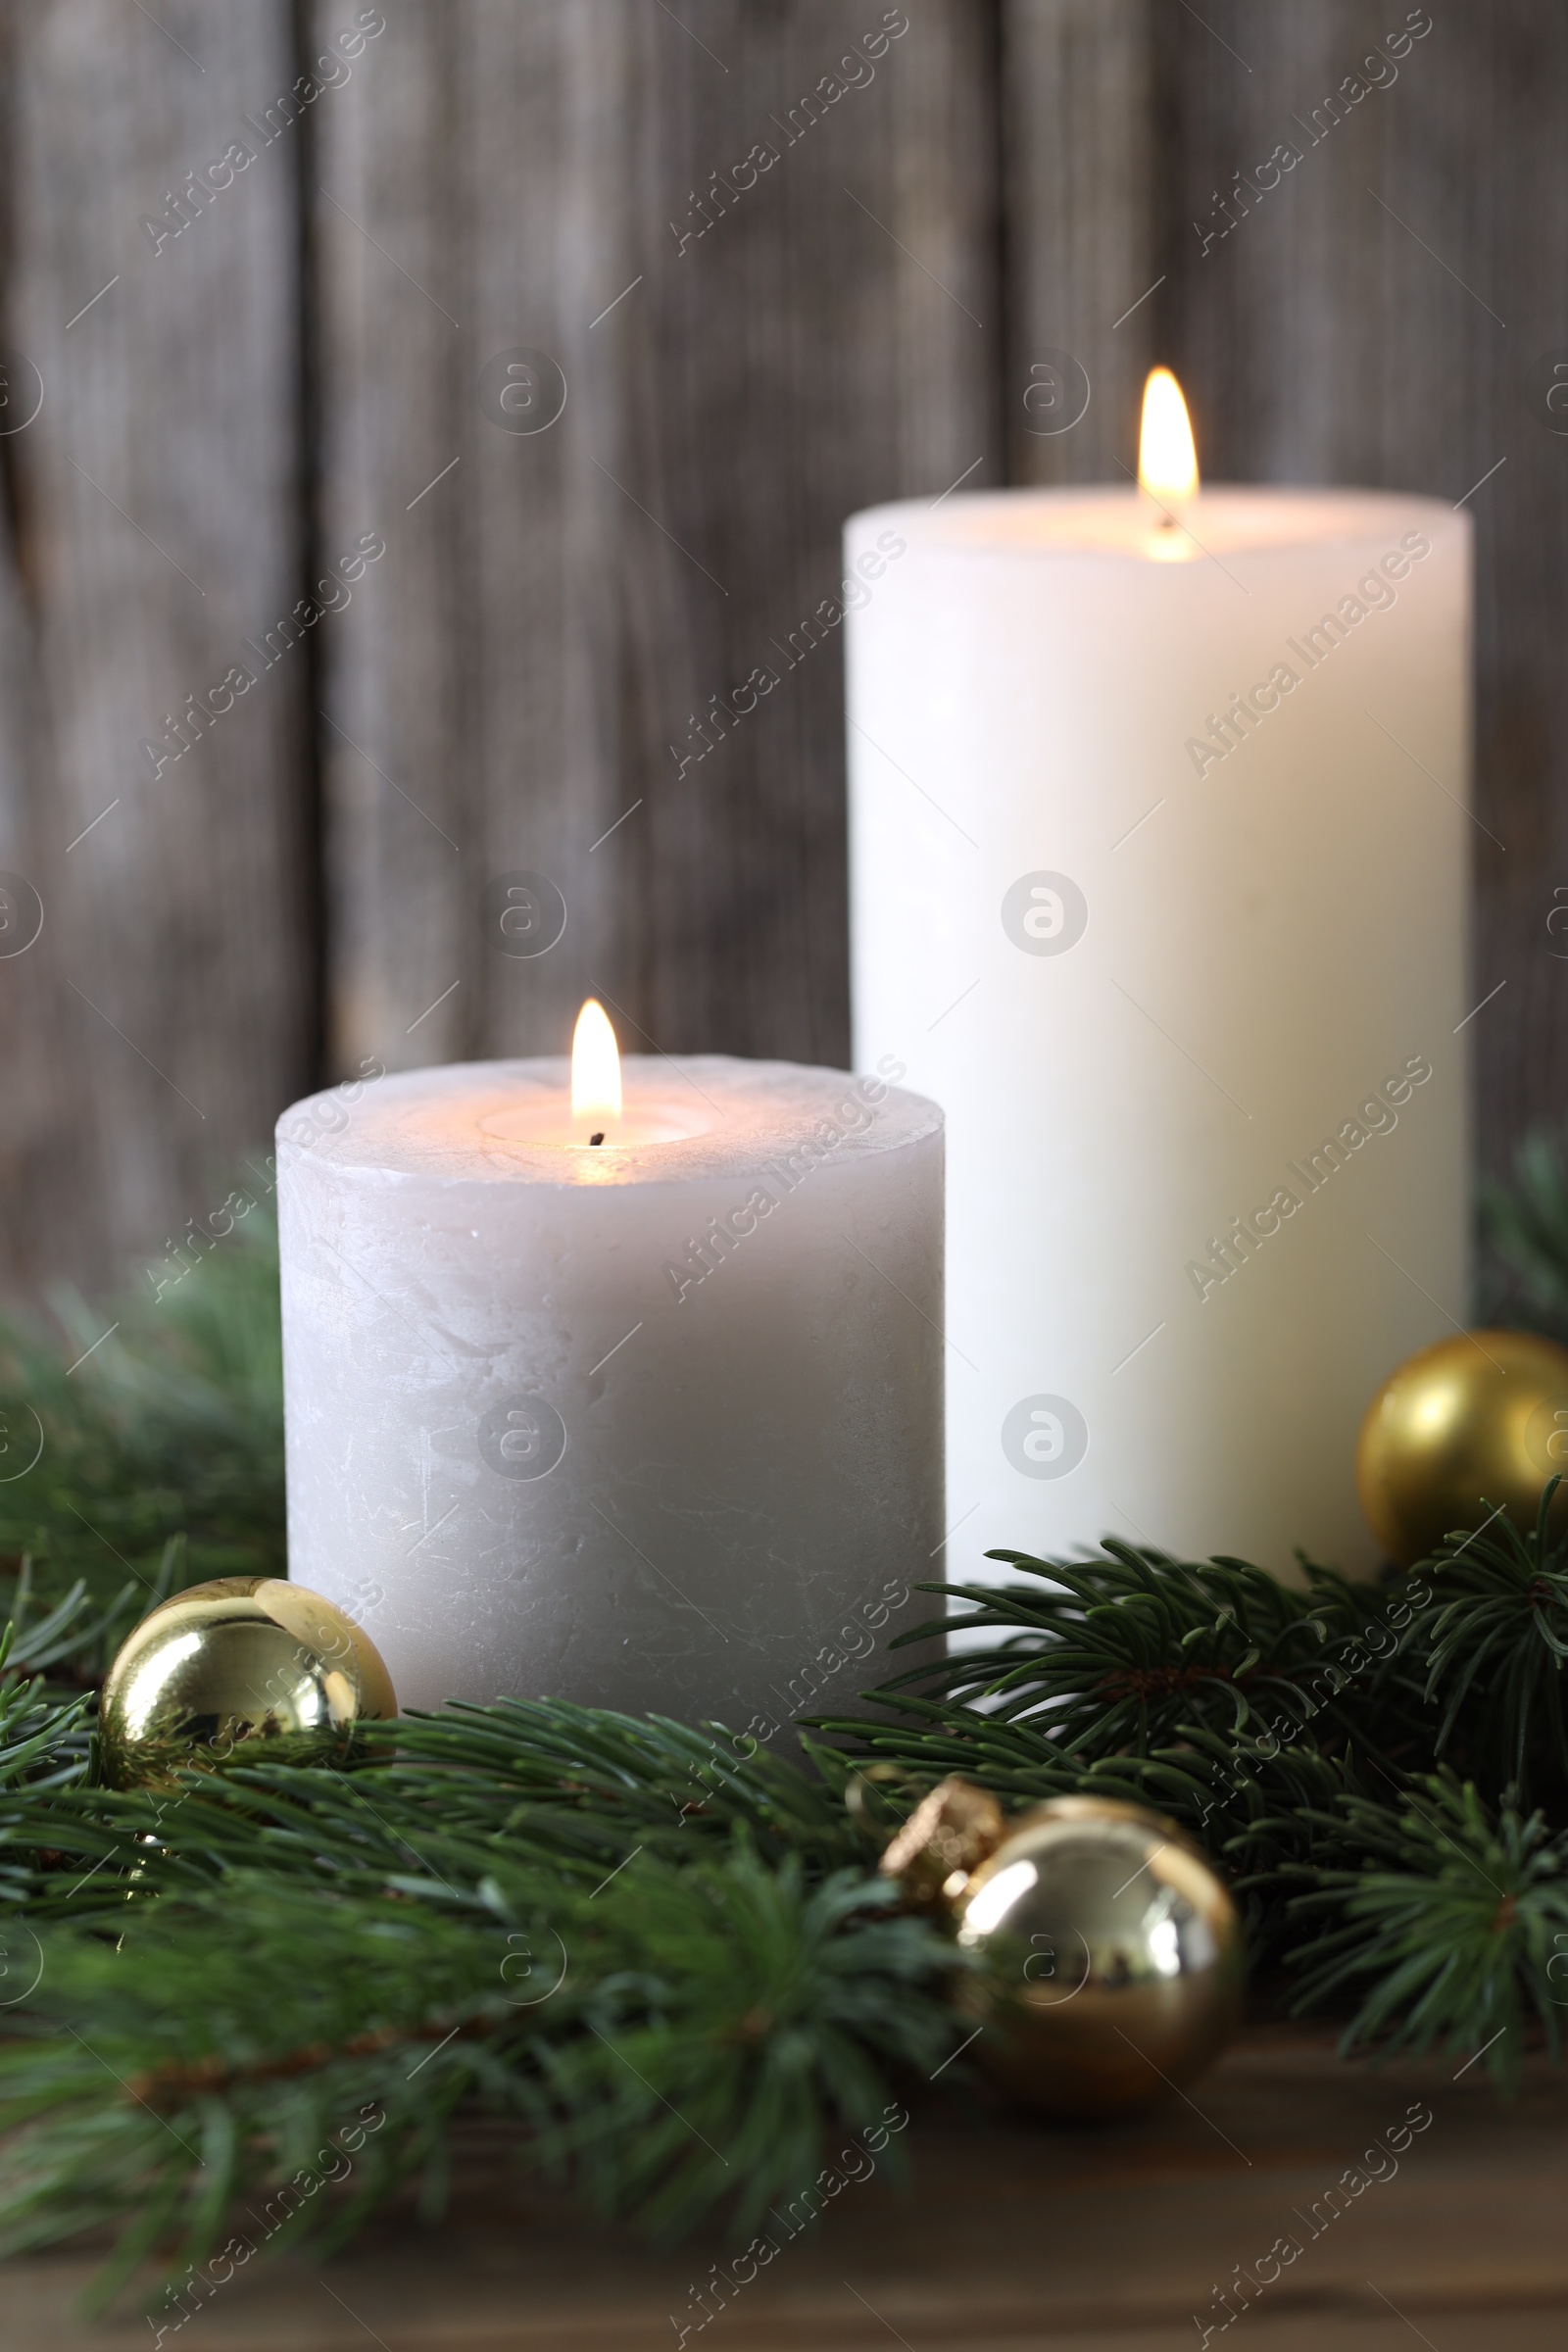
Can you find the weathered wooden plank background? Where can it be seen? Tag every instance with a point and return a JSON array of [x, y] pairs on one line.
[[767, 312], [157, 516]]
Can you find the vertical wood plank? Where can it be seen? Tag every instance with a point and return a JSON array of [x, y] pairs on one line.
[[1085, 186], [533, 660], [165, 1011], [398, 725], [830, 340], [554, 93]]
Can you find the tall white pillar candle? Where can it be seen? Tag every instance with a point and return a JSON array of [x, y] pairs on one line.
[[653, 1423], [1160, 852]]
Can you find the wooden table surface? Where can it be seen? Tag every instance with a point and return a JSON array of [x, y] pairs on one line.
[[1017, 2234]]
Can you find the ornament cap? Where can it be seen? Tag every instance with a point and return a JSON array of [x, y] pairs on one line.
[[948, 1834]]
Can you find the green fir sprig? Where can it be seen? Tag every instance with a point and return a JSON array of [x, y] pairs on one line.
[[1116, 1654], [1451, 1932], [1495, 1638], [517, 1906], [169, 1428]]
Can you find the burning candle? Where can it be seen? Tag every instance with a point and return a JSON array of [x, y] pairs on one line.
[[1159, 857], [619, 1384]]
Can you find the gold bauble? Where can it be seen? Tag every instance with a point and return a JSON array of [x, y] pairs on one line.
[[243, 1658], [1476, 1423], [1114, 1953]]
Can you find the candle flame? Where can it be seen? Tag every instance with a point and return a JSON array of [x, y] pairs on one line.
[[595, 1068], [1168, 462]]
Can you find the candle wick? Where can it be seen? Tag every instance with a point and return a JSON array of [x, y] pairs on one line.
[[599, 1138]]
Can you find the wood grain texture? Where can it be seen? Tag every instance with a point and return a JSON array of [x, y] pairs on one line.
[[396, 725], [1086, 180], [1017, 2234], [779, 287], [1388, 315], [557, 633], [157, 503]]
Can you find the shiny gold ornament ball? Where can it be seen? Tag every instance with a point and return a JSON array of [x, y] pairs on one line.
[[1475, 1422], [244, 1658], [1114, 1953]]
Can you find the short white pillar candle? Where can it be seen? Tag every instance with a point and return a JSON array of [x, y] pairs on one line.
[[652, 1422]]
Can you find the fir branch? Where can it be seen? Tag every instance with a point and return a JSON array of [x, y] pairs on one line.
[[1112, 1654], [703, 2026], [46, 1736], [427, 1803], [1452, 1932], [1496, 1636], [171, 1428]]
